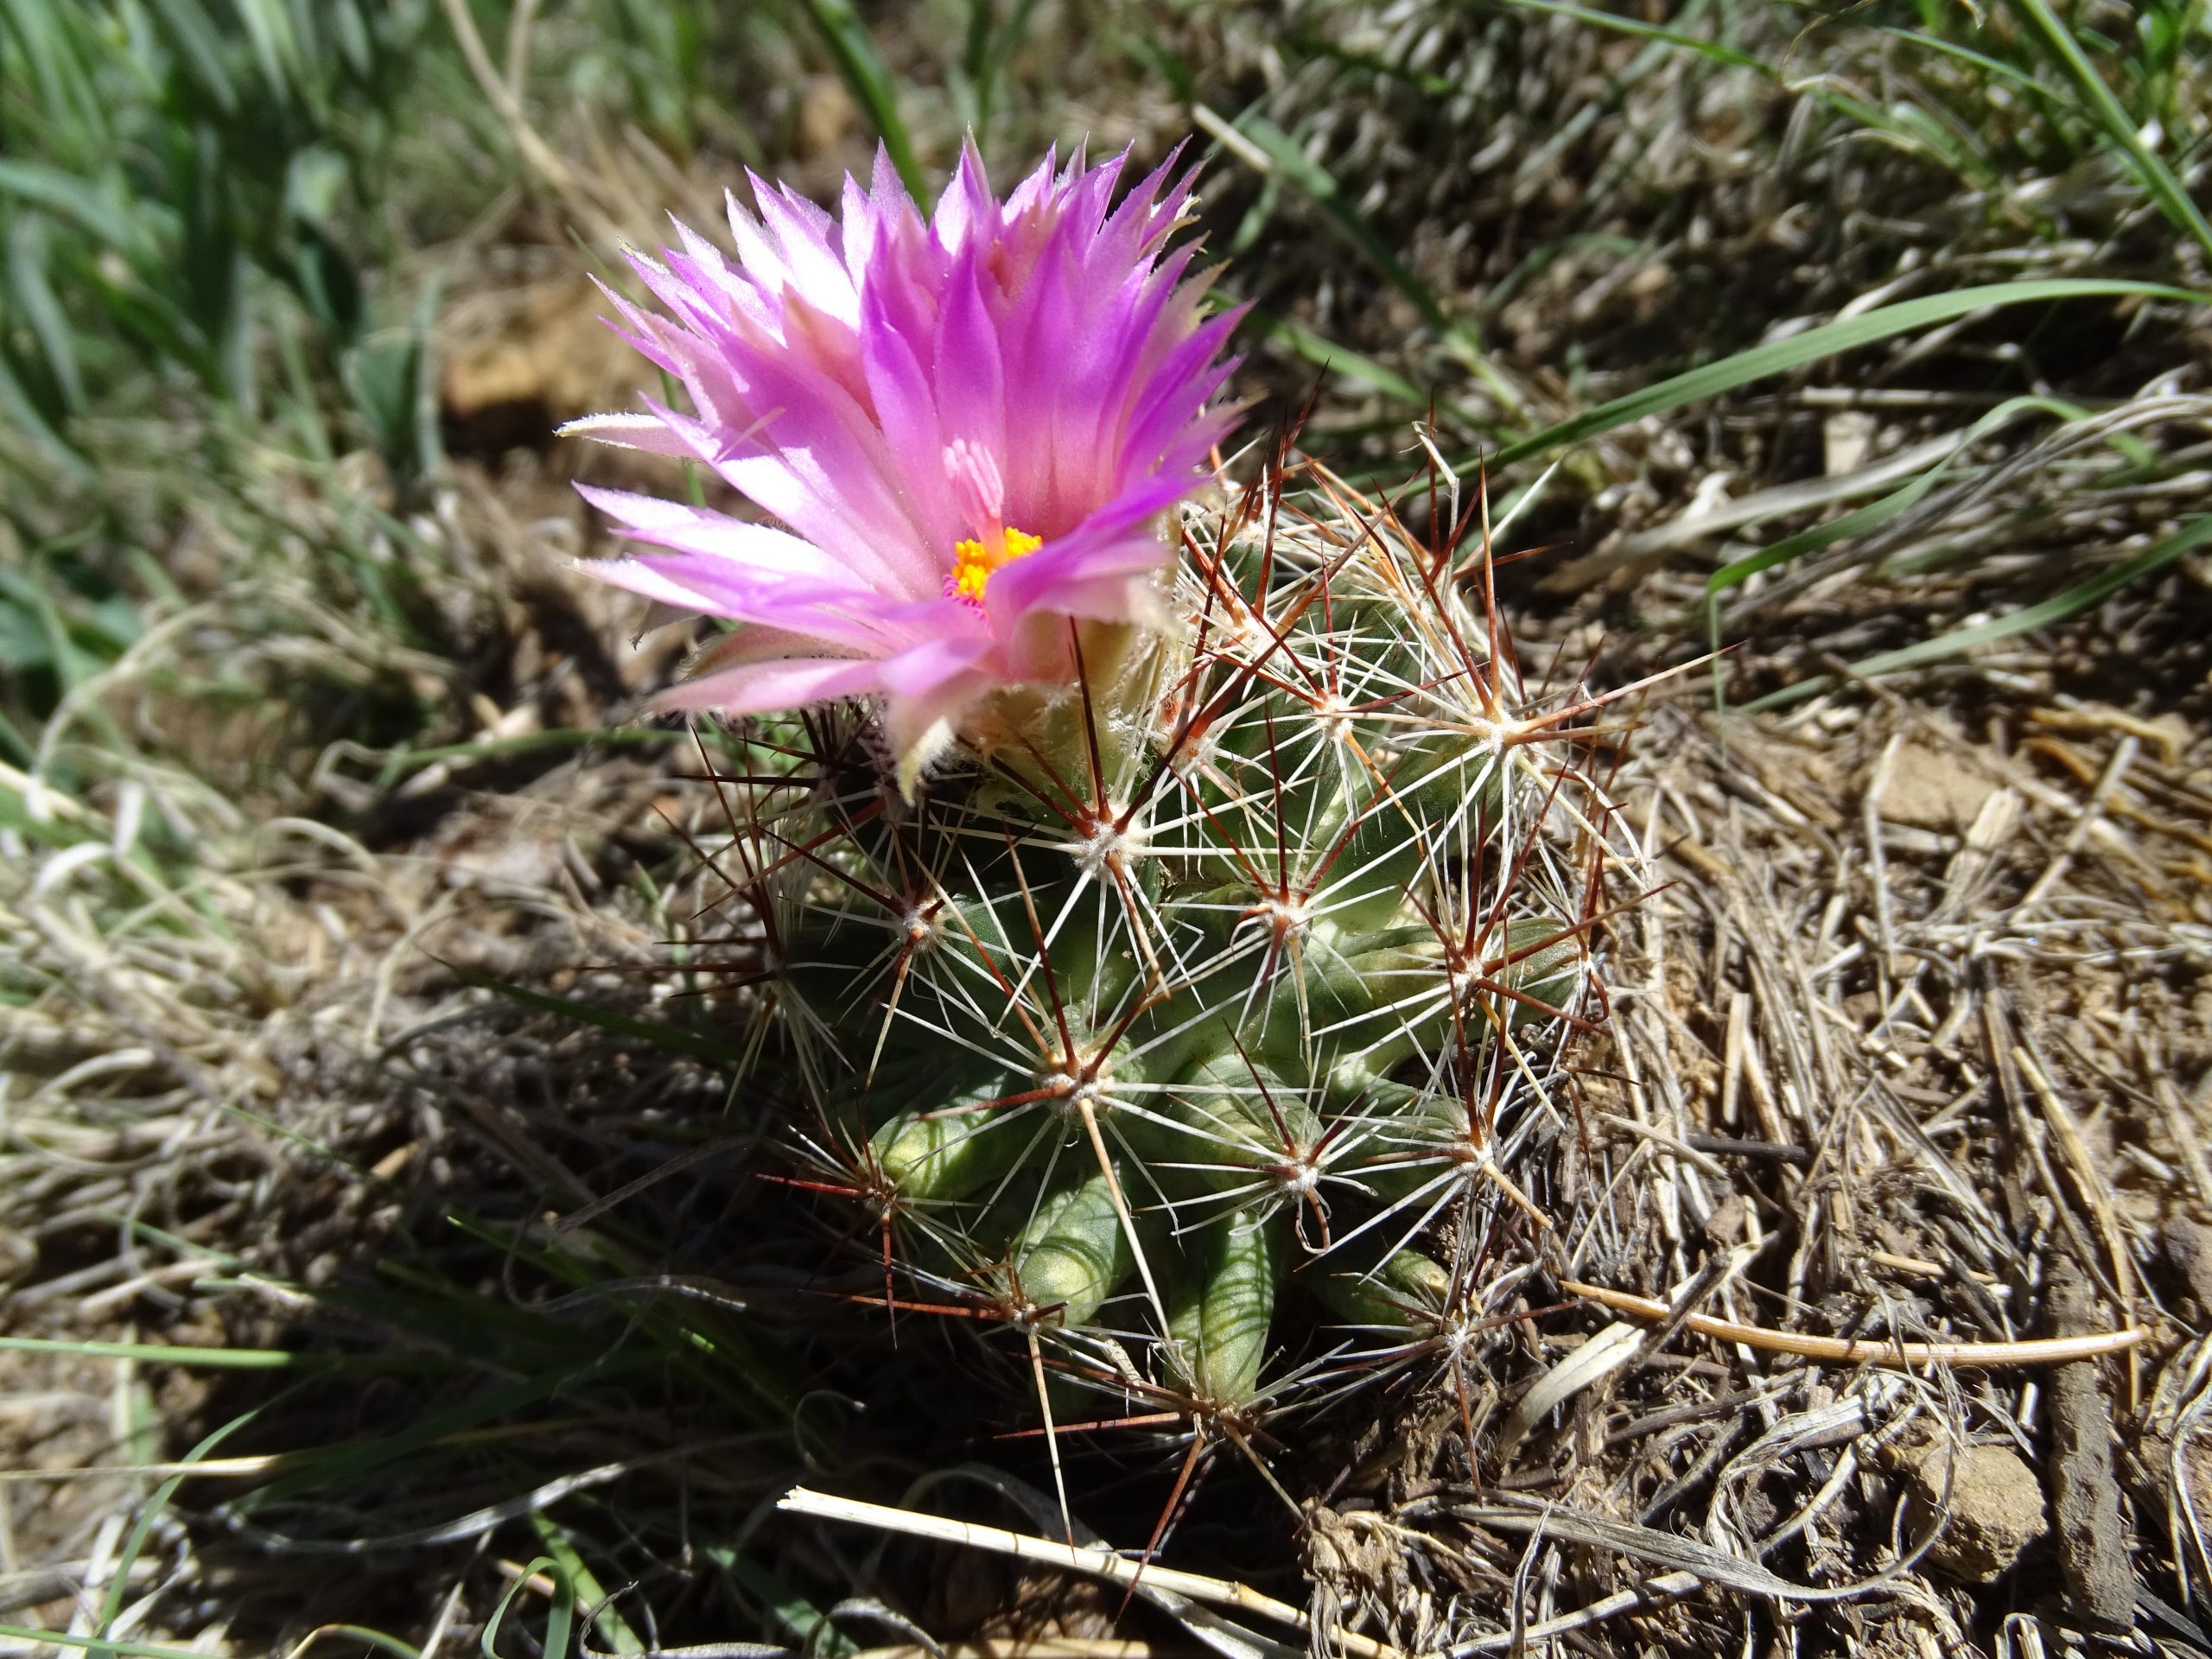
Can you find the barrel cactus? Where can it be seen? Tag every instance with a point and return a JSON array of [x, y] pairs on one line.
[[1170, 896]]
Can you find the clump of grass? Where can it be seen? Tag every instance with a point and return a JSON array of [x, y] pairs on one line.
[[2014, 142], [184, 189]]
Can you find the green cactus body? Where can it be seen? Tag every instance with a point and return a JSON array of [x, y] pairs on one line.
[[1074, 1253], [1223, 1307], [954, 1150], [1399, 1296], [1218, 982]]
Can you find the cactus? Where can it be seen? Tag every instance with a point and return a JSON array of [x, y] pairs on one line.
[[1170, 915], [1228, 978]]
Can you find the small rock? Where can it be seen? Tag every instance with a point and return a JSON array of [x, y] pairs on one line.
[[1846, 436], [1730, 1223], [1996, 1507], [827, 114], [2189, 1247], [546, 358], [18, 1255], [1930, 789]]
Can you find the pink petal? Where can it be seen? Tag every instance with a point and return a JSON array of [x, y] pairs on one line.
[[971, 378], [761, 688], [755, 549]]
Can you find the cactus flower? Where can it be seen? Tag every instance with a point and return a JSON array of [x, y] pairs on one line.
[[965, 431]]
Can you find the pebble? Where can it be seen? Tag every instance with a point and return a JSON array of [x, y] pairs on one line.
[[1996, 1508]]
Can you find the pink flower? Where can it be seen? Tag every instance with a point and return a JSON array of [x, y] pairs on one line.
[[968, 430]]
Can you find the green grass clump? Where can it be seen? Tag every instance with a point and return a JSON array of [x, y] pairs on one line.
[[171, 169]]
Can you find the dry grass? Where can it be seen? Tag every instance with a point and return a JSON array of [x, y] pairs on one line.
[[1914, 1024], [1894, 1053]]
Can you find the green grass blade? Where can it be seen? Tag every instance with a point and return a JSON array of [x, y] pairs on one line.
[[561, 1617], [73, 198], [1849, 334], [2157, 178], [1872, 516], [201, 44], [225, 1359], [456, 1317], [367, 1638], [1292, 163], [613, 1628], [351, 1459], [1877, 513], [119, 1581], [31, 258], [558, 1621], [1338, 359], [221, 1359], [1712, 50], [1995, 67], [673, 1039], [2060, 605], [872, 84], [990, 50], [32, 1640], [1255, 134], [274, 52], [709, 1347], [21, 411], [65, 98], [805, 1622]]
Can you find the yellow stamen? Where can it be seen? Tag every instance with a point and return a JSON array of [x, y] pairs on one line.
[[973, 563]]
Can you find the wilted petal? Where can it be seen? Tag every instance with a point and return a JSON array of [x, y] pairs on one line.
[[646, 432]]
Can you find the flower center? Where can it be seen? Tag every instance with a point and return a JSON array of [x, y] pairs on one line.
[[973, 562]]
